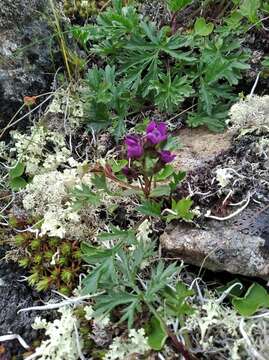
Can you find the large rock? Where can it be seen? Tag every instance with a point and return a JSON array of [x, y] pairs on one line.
[[25, 54], [220, 248]]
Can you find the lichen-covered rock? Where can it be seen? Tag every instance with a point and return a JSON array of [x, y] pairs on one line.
[[25, 56], [250, 114], [221, 248]]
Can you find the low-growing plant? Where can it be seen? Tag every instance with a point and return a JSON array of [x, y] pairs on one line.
[[53, 263], [155, 65], [119, 271]]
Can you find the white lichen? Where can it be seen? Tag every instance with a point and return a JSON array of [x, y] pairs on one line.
[[223, 176], [69, 106], [215, 329], [250, 114], [144, 231], [42, 150], [121, 349], [100, 321], [48, 197], [62, 341]]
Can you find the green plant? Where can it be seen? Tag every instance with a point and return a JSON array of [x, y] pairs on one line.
[[108, 101], [118, 271], [74, 64], [151, 65], [52, 262], [16, 180]]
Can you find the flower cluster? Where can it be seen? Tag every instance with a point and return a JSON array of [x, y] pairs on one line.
[[156, 136], [147, 155]]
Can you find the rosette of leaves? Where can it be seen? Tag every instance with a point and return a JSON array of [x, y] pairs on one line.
[[52, 262]]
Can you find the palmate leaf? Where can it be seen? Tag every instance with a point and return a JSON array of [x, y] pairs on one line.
[[104, 272], [107, 303], [214, 122], [210, 96], [142, 59], [169, 93], [158, 280], [221, 68], [84, 195], [150, 208], [127, 236]]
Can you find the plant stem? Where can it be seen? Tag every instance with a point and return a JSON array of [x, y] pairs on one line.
[[61, 39], [178, 344]]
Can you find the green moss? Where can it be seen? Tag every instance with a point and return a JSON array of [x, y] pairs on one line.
[[82, 8], [52, 262]]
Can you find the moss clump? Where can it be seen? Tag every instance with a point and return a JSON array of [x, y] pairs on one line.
[[82, 8], [52, 262]]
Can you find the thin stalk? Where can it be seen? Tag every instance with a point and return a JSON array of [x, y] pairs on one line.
[[61, 39], [178, 344]]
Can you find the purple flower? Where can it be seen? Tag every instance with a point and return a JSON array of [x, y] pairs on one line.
[[134, 146], [166, 156], [156, 133]]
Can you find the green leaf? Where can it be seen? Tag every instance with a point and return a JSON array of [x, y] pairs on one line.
[[92, 254], [181, 210], [117, 165], [255, 298], [235, 291], [83, 196], [265, 62], [150, 208], [249, 9], [162, 190], [177, 5], [103, 273], [99, 181], [17, 183], [175, 300], [165, 173], [159, 279], [116, 234], [157, 334], [170, 92], [172, 143], [17, 171], [107, 303], [178, 178], [202, 28]]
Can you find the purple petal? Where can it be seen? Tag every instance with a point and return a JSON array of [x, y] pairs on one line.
[[151, 126], [166, 156], [134, 146], [162, 127]]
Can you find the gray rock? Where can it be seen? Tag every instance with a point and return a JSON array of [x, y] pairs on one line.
[[26, 65], [222, 248]]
